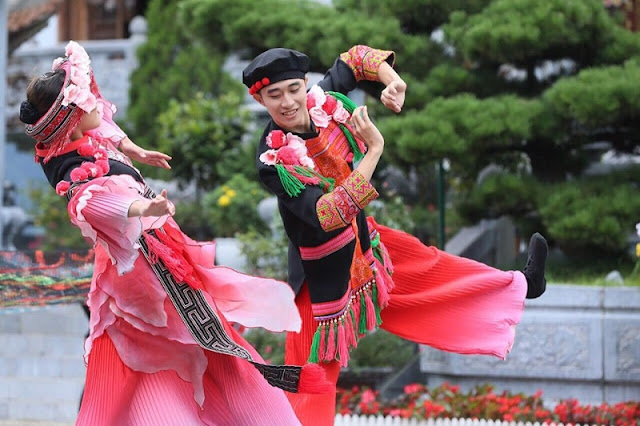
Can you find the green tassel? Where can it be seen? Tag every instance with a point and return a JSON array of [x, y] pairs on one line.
[[315, 346], [374, 297], [328, 182], [375, 244], [290, 183], [357, 154], [362, 328], [348, 104]]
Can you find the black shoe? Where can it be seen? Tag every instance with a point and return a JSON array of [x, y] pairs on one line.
[[534, 269]]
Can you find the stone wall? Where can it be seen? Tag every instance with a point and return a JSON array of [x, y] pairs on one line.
[[41, 365], [574, 342]]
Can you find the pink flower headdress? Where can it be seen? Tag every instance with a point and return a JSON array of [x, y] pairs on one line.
[[78, 95]]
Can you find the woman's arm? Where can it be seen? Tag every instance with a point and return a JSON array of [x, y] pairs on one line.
[[152, 158]]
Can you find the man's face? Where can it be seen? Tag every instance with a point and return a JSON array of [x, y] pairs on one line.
[[286, 102]]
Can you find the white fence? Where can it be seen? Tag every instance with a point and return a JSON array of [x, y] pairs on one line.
[[355, 420]]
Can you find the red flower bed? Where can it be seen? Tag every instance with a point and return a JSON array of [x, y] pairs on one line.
[[446, 401]]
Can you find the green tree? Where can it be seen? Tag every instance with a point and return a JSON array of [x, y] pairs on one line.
[[171, 67], [524, 85], [204, 136]]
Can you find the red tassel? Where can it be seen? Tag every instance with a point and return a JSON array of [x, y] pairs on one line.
[[321, 348], [172, 259], [382, 278], [156, 249], [181, 268], [331, 344], [371, 311], [314, 380], [343, 349], [352, 341], [355, 306]]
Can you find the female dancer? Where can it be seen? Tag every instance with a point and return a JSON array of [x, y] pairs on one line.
[[160, 350]]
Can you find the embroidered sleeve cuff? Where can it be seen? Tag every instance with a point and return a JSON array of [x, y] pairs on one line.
[[364, 61], [339, 207]]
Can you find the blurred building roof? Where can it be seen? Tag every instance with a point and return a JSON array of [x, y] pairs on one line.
[[27, 17]]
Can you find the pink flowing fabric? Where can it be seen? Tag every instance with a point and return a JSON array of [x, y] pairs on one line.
[[449, 302], [136, 332]]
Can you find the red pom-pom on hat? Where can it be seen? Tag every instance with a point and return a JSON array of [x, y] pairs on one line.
[[265, 81]]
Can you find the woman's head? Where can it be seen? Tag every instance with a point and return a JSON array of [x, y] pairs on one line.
[[61, 103], [41, 94]]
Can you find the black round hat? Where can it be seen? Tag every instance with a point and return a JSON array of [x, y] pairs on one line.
[[274, 65]]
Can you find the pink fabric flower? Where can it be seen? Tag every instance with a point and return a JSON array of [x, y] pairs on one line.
[[269, 157], [319, 117], [80, 77], [56, 63], [311, 102], [340, 114], [317, 95], [307, 162], [79, 174], [62, 187], [276, 139], [288, 155], [76, 54], [70, 94], [330, 105]]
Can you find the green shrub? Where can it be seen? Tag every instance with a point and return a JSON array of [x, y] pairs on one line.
[[50, 212], [269, 345], [382, 349], [232, 207], [593, 217], [204, 136], [266, 252]]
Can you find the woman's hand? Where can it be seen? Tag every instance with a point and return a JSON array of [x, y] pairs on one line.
[[366, 131], [158, 206], [393, 95], [152, 158]]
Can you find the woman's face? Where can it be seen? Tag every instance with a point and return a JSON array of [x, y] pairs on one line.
[[89, 121]]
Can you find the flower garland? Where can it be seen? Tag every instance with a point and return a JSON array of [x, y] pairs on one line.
[[289, 153], [87, 170], [336, 106]]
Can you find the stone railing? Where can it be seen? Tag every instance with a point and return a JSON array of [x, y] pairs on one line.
[[574, 342]]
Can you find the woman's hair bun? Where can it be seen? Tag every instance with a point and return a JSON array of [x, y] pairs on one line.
[[28, 113]]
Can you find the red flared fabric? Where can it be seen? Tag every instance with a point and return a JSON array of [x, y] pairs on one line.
[[318, 409], [449, 302], [441, 300]]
